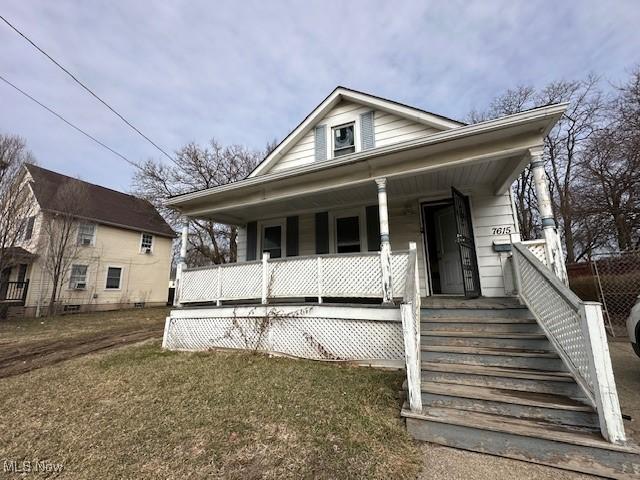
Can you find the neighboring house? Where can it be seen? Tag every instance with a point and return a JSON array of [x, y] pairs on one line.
[[368, 211], [121, 255]]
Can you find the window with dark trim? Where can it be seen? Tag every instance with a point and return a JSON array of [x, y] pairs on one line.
[[348, 234], [272, 240]]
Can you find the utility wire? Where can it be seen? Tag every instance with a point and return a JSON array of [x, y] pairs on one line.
[[87, 89], [130, 162]]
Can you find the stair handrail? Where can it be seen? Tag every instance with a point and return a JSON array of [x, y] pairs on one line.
[[575, 328], [410, 314]]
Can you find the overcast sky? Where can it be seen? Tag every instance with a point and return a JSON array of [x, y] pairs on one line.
[[248, 72]]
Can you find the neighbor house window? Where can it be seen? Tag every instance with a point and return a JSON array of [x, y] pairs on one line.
[[348, 234], [343, 140], [22, 273], [146, 243], [114, 274], [86, 234], [78, 278], [28, 227], [272, 240]]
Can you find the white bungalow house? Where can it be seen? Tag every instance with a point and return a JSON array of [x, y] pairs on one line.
[[385, 235]]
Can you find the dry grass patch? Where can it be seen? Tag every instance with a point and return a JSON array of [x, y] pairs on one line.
[[25, 330], [140, 412]]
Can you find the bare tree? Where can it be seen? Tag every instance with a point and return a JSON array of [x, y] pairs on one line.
[[565, 148], [611, 169], [59, 236], [197, 168], [14, 207]]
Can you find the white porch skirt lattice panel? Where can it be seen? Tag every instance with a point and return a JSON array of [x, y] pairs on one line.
[[321, 332]]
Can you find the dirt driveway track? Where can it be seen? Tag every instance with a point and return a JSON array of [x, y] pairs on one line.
[[17, 358]]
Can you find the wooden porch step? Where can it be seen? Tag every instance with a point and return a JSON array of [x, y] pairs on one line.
[[552, 408], [475, 320], [560, 446], [473, 327], [495, 357], [520, 379], [509, 352], [491, 339]]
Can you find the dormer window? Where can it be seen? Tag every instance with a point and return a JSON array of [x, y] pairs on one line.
[[343, 140]]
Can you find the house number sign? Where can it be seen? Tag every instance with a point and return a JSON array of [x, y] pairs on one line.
[[501, 230]]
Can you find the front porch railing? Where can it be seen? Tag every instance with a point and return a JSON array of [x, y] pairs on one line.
[[576, 330], [410, 313], [357, 275], [14, 292]]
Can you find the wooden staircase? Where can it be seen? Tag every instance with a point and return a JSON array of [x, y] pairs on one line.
[[492, 383]]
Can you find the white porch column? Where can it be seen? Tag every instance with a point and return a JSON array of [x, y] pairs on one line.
[[385, 246], [553, 246], [182, 260]]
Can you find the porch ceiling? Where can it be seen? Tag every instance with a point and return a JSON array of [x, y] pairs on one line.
[[467, 178]]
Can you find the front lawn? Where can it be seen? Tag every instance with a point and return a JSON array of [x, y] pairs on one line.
[[24, 330], [140, 412]]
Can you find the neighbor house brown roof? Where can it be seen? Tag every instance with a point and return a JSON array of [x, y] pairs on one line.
[[103, 205]]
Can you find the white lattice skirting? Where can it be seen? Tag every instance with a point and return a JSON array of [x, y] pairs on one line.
[[362, 334]]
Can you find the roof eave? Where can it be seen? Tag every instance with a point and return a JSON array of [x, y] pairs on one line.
[[550, 113]]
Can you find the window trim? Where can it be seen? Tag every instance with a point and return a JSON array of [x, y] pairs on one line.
[[86, 276], [93, 237], [153, 242], [333, 227], [277, 222], [333, 138], [106, 278], [339, 120]]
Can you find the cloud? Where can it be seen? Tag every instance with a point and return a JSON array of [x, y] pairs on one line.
[[248, 72]]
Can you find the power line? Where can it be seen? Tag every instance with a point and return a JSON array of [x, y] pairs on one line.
[[130, 162], [87, 89]]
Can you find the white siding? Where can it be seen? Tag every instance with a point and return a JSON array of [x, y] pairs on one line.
[[404, 227], [388, 129], [489, 212]]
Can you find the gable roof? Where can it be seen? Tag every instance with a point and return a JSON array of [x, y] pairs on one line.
[[103, 205], [339, 94]]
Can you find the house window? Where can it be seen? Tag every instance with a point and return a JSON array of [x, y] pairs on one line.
[[78, 278], [343, 140], [146, 243], [348, 234], [86, 234], [113, 277], [22, 273], [28, 228], [272, 240]]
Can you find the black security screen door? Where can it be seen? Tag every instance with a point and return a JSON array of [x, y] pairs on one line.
[[466, 244]]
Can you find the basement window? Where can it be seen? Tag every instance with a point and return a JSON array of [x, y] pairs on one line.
[[343, 140]]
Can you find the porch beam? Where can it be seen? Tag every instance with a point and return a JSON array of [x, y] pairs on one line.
[[510, 174], [385, 246], [553, 247]]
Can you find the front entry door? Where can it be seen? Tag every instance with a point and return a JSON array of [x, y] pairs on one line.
[[466, 245], [448, 254]]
